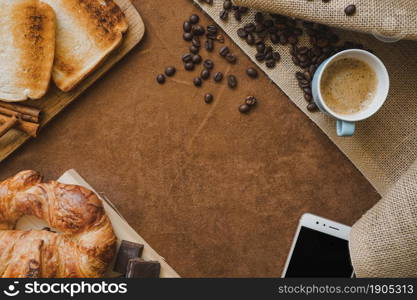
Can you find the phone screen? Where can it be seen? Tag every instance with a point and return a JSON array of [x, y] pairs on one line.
[[317, 254]]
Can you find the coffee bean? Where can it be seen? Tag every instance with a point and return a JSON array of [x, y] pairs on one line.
[[208, 98], [308, 97], [274, 38], [249, 28], [189, 66], [350, 10], [220, 38], [187, 36], [260, 57], [170, 71], [271, 64], [312, 107], [242, 33], [252, 72], [209, 45], [250, 39], [259, 17], [299, 76], [194, 19], [276, 56], [218, 77], [208, 64], [238, 15], [224, 15], [259, 27], [196, 41], [227, 4], [160, 78], [205, 74], [232, 81], [231, 58], [187, 57], [260, 47], [197, 81], [250, 101], [194, 49], [187, 26], [198, 30], [197, 59], [283, 40], [244, 108], [224, 51], [213, 29], [293, 39]]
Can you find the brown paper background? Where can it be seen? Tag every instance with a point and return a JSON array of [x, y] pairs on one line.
[[214, 192], [384, 146]]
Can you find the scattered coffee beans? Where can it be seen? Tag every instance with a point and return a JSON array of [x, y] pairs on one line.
[[198, 82], [208, 64], [208, 98], [188, 36], [160, 78], [189, 66], [232, 81], [194, 19], [205, 74], [244, 108], [252, 72], [170, 71], [224, 51], [251, 101], [196, 59], [218, 77], [350, 10]]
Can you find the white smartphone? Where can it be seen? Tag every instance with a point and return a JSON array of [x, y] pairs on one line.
[[319, 249]]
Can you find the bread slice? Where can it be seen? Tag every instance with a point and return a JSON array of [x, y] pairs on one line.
[[27, 46], [87, 32]]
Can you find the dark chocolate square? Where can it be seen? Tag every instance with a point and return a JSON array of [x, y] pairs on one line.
[[139, 268], [127, 251]]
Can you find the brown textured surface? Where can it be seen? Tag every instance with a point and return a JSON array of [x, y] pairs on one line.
[[214, 192]]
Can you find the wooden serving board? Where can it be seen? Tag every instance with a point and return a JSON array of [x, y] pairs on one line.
[[121, 228], [55, 100]]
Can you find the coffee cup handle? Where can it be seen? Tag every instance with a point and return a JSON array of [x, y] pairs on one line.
[[344, 128]]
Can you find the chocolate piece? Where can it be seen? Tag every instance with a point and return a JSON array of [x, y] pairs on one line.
[[127, 251], [139, 268]]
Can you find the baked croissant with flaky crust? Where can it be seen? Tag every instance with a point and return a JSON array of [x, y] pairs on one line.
[[83, 246]]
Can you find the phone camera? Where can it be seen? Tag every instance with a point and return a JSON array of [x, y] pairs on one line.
[[317, 222]]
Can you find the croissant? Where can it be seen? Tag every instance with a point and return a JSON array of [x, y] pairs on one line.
[[83, 246]]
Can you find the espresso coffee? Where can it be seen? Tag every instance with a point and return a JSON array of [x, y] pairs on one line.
[[348, 86]]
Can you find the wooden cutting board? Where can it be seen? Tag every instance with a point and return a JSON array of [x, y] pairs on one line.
[[55, 100]]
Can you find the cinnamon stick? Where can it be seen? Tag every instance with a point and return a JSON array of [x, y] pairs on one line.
[[5, 127], [22, 109], [30, 128], [11, 113]]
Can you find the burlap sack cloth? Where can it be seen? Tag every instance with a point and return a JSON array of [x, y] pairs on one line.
[[384, 146], [383, 242], [394, 18]]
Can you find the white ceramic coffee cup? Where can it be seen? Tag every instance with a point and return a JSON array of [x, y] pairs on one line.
[[345, 123]]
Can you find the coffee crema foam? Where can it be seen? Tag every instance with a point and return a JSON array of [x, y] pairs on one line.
[[348, 86]]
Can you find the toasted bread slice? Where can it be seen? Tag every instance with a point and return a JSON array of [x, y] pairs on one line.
[[27, 39], [87, 32]]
